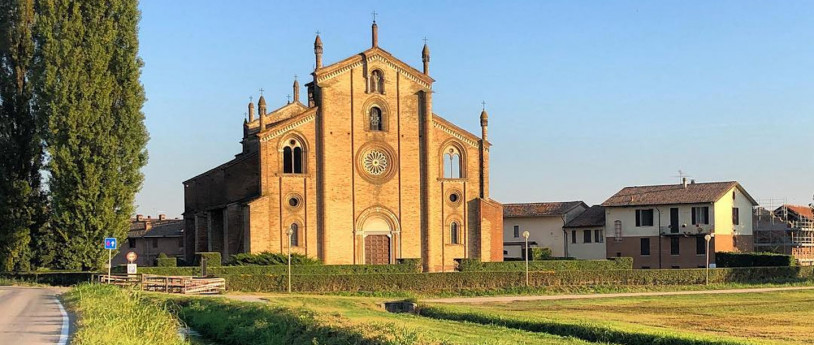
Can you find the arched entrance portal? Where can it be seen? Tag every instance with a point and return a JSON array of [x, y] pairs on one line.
[[377, 230]]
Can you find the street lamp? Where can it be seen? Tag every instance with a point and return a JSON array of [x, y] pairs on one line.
[[708, 237], [526, 238], [289, 233]]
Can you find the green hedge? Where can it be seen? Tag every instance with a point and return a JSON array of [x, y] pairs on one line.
[[540, 253], [51, 278], [473, 265], [166, 262], [457, 281], [724, 259], [213, 259], [268, 258], [405, 266]]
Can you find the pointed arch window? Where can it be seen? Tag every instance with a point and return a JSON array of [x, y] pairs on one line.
[[454, 233], [452, 163], [293, 157], [376, 119], [376, 82]]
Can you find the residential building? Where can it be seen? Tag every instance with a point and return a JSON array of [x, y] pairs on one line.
[[586, 234], [362, 172], [149, 237], [543, 220], [664, 226]]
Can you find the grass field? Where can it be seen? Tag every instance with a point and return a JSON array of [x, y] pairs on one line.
[[753, 318], [307, 319], [364, 311], [747, 318]]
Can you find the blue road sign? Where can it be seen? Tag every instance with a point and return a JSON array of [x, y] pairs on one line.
[[110, 243]]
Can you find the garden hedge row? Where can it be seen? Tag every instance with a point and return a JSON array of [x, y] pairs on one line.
[[474, 265], [404, 266], [166, 262], [269, 258], [213, 259], [753, 260], [456, 281], [54, 278]]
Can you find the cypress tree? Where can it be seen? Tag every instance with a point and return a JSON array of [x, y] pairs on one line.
[[88, 88], [21, 198]]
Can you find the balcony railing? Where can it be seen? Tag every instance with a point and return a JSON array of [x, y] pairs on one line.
[[667, 230]]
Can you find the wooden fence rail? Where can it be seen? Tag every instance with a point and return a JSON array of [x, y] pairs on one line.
[[169, 284]]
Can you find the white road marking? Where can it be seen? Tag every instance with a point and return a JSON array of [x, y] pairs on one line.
[[63, 336]]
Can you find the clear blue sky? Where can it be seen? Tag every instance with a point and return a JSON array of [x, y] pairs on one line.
[[584, 97]]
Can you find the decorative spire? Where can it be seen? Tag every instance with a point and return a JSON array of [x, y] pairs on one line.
[[251, 110], [484, 121], [296, 88], [318, 51], [425, 57], [374, 31], [261, 110]]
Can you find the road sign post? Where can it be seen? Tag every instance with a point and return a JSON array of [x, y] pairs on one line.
[[110, 245], [132, 268]]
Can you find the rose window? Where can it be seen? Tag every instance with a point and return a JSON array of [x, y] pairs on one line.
[[375, 162]]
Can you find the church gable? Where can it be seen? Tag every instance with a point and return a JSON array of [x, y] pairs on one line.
[[373, 56], [456, 132]]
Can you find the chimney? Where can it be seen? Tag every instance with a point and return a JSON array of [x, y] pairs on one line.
[[692, 181], [684, 182], [139, 217], [162, 216]]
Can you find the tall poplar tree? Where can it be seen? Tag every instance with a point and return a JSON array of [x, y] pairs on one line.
[[22, 202], [88, 88]]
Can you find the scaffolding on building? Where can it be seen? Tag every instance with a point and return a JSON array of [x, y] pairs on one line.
[[777, 230]]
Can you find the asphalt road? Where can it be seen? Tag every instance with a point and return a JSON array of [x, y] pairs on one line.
[[31, 316]]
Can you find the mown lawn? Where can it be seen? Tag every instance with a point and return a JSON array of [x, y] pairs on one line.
[[758, 318], [310, 319], [362, 310]]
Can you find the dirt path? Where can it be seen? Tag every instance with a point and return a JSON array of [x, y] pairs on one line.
[[503, 299]]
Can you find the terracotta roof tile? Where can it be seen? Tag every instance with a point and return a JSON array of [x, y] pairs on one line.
[[594, 216], [157, 228], [539, 209], [694, 193], [804, 211]]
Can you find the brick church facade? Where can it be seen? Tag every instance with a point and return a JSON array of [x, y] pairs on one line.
[[362, 172]]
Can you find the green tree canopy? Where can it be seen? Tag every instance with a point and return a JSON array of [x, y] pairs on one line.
[[88, 88]]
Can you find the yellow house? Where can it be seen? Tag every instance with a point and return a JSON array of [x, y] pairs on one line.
[[543, 220], [664, 226]]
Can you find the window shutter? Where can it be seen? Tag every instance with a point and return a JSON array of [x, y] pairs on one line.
[[638, 218], [706, 215]]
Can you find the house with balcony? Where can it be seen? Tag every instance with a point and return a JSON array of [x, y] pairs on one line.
[[665, 226]]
